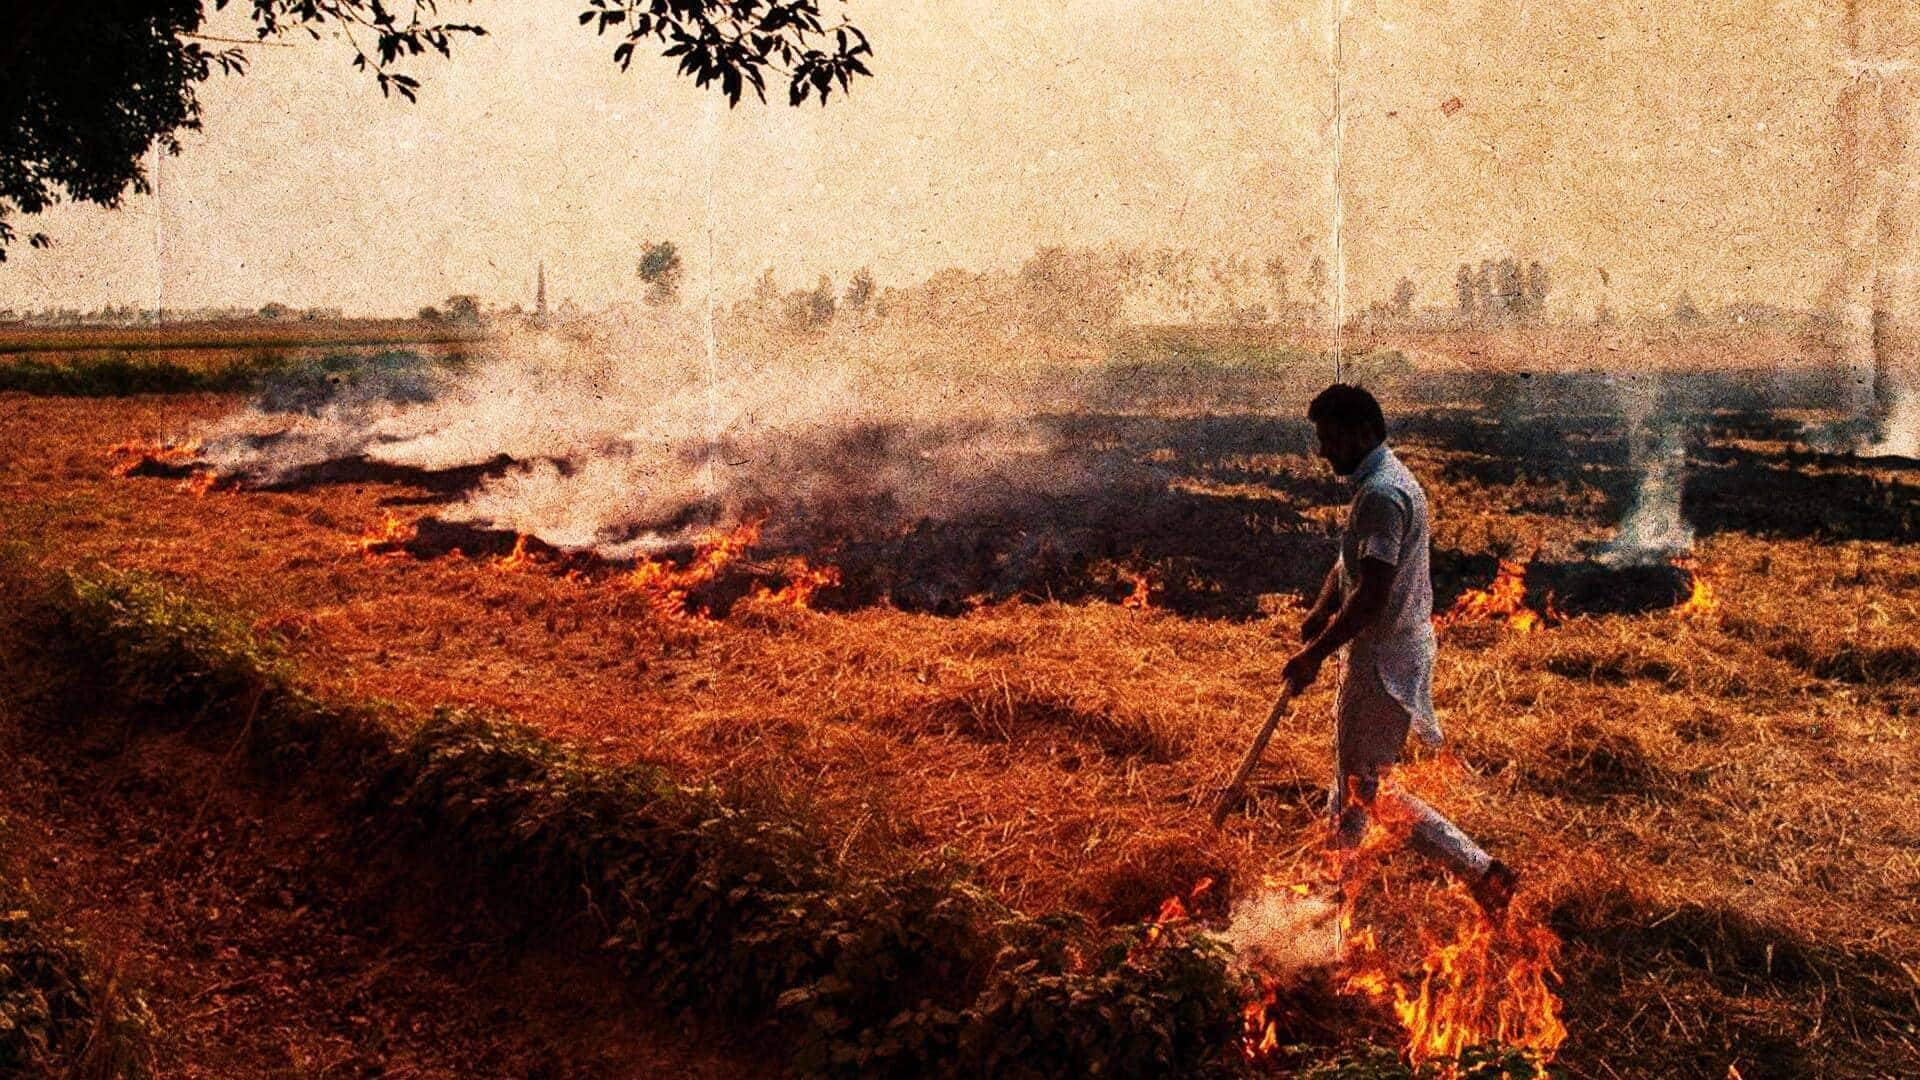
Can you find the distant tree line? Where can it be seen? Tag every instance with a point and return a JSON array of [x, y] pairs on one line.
[[1081, 292], [1086, 291], [1501, 291], [1057, 289]]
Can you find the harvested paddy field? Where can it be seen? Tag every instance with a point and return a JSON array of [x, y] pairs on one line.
[[1705, 778]]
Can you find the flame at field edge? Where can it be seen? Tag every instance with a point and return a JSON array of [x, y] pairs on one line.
[[1701, 600], [1504, 598], [1474, 984]]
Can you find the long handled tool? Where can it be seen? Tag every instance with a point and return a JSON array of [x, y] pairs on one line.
[[1231, 794]]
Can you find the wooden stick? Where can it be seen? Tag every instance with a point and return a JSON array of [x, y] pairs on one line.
[[1232, 792]]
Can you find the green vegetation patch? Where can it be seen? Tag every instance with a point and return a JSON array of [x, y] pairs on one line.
[[59, 1015], [907, 974], [286, 383], [122, 374], [396, 376]]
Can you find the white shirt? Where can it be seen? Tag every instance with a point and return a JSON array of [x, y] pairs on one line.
[[1388, 682]]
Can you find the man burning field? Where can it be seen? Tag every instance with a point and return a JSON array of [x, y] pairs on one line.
[[1377, 605]]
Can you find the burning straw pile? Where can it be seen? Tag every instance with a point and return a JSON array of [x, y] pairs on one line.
[[921, 491], [1480, 992]]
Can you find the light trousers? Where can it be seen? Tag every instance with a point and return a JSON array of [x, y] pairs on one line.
[[1433, 835]]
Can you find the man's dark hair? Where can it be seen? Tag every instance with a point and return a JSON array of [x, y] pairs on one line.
[[1346, 406]]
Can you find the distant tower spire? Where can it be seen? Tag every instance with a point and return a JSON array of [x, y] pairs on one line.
[[540, 293]]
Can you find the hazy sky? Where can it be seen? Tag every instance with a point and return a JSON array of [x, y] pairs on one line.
[[1678, 144]]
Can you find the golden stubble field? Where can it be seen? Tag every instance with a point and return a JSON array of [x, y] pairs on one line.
[[1715, 811]]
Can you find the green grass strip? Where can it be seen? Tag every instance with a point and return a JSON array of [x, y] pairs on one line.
[[122, 375]]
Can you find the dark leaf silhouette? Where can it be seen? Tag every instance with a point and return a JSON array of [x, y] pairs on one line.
[[87, 91]]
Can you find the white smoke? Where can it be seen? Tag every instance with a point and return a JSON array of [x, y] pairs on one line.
[[531, 397], [1899, 428], [618, 442], [1284, 934], [1654, 529]]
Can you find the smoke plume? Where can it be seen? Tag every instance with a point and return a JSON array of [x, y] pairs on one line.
[[1875, 302], [623, 441], [1654, 529], [1283, 934]]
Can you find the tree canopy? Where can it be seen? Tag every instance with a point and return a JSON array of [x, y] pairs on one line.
[[87, 90]]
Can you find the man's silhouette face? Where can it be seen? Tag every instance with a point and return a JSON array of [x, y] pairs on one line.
[[1343, 447]]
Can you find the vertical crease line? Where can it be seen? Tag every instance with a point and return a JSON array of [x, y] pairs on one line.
[[159, 239], [1339, 188], [708, 136]]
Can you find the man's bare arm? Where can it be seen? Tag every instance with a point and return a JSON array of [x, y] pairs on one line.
[[1325, 606], [1360, 611]]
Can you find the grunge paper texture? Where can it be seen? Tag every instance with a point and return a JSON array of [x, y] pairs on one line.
[[1723, 148], [553, 577]]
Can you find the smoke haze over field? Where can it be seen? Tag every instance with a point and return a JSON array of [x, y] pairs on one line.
[[619, 443], [1283, 934], [1639, 152]]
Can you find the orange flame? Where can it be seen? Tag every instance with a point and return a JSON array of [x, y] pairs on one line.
[[1505, 598], [516, 561], [389, 538], [800, 587], [1478, 986], [1481, 987], [1701, 601], [199, 483], [1173, 911], [667, 586]]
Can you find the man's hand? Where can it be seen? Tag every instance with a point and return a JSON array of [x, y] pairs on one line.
[[1302, 668], [1332, 623]]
